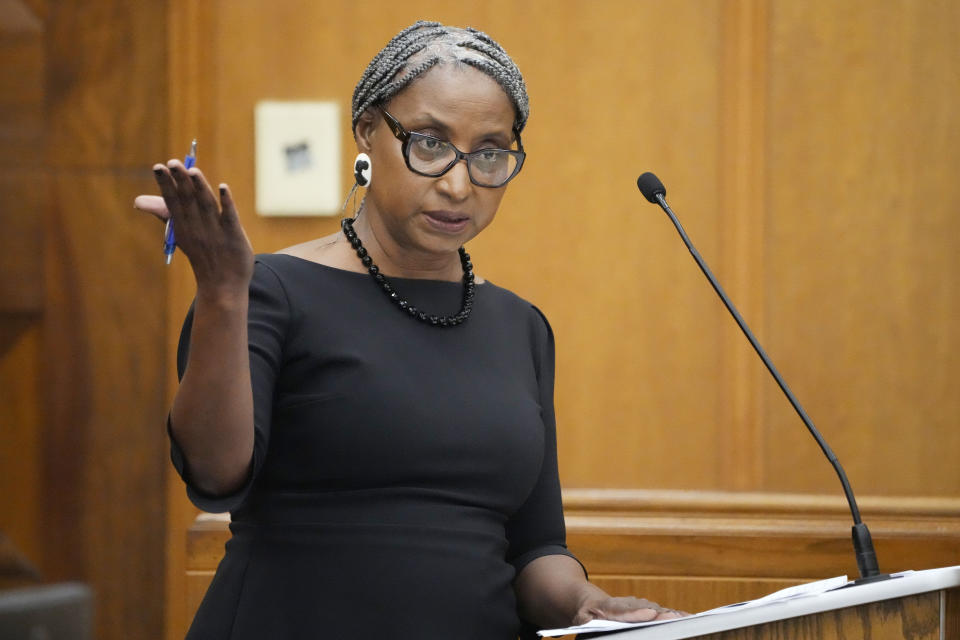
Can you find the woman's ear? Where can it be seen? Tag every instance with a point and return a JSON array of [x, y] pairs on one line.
[[363, 132]]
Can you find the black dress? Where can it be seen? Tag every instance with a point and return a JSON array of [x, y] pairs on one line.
[[402, 474]]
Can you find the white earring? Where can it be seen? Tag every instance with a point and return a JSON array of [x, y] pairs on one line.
[[363, 170], [362, 174]]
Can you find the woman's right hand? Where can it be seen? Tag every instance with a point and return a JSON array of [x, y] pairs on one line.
[[207, 231]]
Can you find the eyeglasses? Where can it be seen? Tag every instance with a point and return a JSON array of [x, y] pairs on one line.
[[432, 157]]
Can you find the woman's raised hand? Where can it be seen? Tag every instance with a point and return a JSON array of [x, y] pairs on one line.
[[208, 229], [212, 413]]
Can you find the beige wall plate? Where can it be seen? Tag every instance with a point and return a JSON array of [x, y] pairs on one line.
[[298, 158]]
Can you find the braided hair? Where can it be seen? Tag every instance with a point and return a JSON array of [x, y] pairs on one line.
[[422, 46]]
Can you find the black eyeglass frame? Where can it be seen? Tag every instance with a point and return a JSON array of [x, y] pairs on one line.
[[404, 137]]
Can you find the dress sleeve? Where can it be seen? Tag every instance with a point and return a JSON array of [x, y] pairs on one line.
[[537, 528], [267, 319]]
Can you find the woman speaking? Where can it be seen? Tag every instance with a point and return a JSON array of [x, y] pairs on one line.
[[377, 418]]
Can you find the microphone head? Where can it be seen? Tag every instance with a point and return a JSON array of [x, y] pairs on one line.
[[650, 186]]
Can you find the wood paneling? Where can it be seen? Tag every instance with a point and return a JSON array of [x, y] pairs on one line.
[[105, 396], [84, 341], [22, 88], [863, 277], [951, 614], [23, 203], [23, 187], [730, 104], [741, 178], [746, 535], [19, 435], [25, 200], [107, 82], [809, 149]]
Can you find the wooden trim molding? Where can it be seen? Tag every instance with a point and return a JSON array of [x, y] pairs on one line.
[[634, 501], [709, 534]]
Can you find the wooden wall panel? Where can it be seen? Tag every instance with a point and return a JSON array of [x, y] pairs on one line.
[[22, 88], [863, 269], [104, 389], [107, 83], [23, 181], [19, 435], [719, 99], [25, 200], [101, 371], [738, 254], [23, 203], [809, 150]]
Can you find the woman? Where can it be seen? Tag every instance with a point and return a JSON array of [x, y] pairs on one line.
[[377, 419]]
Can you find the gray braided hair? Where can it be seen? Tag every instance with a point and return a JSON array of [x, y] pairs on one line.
[[423, 45]]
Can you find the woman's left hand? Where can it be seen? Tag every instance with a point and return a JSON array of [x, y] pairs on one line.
[[552, 591], [623, 609]]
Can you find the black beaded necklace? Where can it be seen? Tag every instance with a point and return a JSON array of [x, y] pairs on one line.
[[437, 321]]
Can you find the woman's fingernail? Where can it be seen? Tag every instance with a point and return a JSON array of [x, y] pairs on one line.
[[223, 191]]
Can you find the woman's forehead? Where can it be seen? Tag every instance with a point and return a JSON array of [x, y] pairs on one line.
[[456, 91]]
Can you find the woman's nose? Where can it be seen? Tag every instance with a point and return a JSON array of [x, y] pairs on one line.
[[456, 182]]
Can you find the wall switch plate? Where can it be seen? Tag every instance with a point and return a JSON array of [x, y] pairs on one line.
[[297, 158]]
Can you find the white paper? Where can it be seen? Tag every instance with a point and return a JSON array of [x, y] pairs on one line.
[[600, 625], [807, 590], [789, 593]]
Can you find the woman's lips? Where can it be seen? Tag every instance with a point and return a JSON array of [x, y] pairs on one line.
[[447, 221]]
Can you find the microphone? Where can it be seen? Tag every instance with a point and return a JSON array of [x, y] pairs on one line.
[[654, 191]]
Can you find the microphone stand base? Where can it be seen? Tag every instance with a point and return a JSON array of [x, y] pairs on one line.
[[880, 577]]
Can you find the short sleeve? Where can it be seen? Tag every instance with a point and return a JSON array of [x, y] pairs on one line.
[[537, 528], [267, 322]]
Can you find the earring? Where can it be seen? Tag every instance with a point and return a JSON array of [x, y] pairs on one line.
[[362, 174], [362, 170]]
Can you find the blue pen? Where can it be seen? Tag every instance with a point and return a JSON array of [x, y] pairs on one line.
[[169, 241]]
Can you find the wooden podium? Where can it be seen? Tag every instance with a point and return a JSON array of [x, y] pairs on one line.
[[921, 605]]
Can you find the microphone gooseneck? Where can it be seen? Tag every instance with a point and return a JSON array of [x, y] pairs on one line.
[[654, 191]]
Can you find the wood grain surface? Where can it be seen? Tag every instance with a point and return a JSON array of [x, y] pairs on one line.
[[912, 618], [793, 139], [82, 371], [24, 202], [810, 149], [23, 182], [734, 105]]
